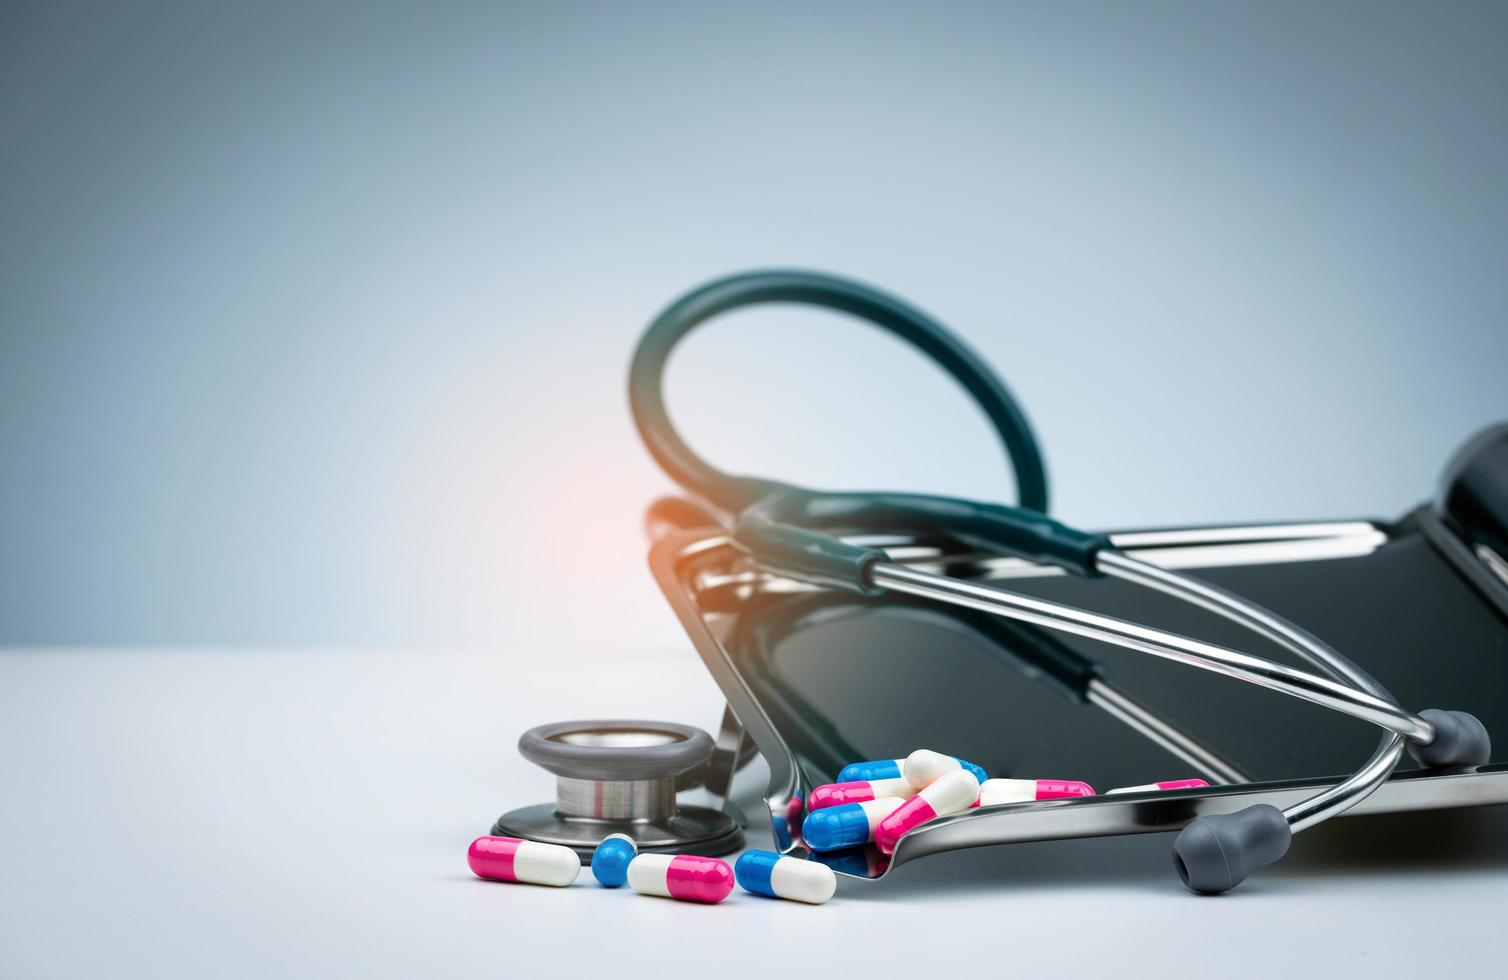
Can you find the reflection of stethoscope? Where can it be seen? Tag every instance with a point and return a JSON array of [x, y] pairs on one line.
[[802, 534]]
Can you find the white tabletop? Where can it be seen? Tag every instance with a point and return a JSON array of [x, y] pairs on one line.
[[256, 813]]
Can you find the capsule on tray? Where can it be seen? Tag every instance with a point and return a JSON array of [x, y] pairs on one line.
[[847, 825], [996, 792], [1171, 784], [858, 791], [871, 771], [951, 793], [924, 767]]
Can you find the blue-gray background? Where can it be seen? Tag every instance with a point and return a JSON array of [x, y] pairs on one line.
[[314, 319]]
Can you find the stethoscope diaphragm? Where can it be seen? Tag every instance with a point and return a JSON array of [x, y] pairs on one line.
[[619, 777]]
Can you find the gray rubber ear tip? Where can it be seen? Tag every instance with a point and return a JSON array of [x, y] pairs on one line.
[[1215, 854], [1460, 740]]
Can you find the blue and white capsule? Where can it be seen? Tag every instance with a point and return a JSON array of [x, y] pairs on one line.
[[769, 874], [610, 860], [869, 772], [847, 825]]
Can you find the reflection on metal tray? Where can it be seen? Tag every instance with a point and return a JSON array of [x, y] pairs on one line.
[[819, 679]]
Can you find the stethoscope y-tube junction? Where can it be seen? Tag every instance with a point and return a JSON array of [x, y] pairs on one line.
[[803, 534]]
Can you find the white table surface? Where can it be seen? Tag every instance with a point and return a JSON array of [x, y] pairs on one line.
[[250, 813]]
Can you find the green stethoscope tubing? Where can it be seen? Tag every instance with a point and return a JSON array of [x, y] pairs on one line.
[[780, 523], [730, 493]]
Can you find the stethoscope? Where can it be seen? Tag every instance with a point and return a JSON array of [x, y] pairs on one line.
[[806, 535]]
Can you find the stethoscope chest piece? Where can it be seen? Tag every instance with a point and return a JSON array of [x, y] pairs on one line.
[[619, 777]]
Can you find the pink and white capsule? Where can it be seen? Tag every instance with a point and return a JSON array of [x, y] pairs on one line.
[[511, 859], [1153, 787], [858, 791], [951, 793], [998, 792], [683, 877], [923, 767]]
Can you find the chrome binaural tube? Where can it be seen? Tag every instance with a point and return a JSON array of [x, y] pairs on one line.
[[1300, 642], [1348, 689], [1159, 643]]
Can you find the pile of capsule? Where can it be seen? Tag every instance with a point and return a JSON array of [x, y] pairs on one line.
[[879, 802], [872, 803], [684, 877]]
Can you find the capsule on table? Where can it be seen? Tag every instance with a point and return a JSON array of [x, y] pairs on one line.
[[997, 792], [924, 767], [511, 859], [847, 825], [871, 771], [775, 876], [951, 793], [683, 877], [858, 791], [611, 859], [1152, 787]]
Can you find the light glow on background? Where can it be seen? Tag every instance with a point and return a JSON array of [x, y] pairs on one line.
[[314, 320]]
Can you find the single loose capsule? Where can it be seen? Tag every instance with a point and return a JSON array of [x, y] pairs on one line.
[[683, 877], [770, 874], [511, 859], [836, 794], [847, 825], [952, 793], [996, 792], [924, 767], [871, 771], [610, 859], [1171, 784]]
